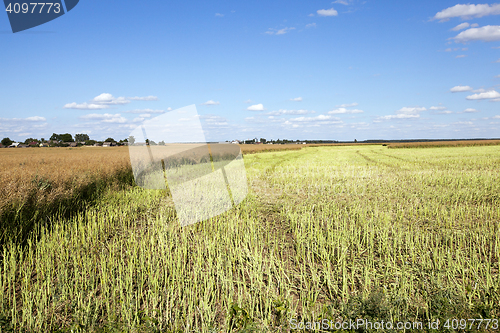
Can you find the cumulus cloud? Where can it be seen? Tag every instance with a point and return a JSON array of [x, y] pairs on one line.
[[85, 106], [489, 33], [410, 110], [30, 119], [210, 102], [311, 25], [347, 105], [461, 56], [256, 107], [399, 116], [461, 26], [320, 118], [484, 95], [467, 11], [297, 99], [437, 108], [404, 113], [106, 98], [147, 98], [280, 31], [460, 89], [344, 111], [145, 111], [470, 110], [288, 112], [105, 118], [445, 112], [327, 12], [342, 2]]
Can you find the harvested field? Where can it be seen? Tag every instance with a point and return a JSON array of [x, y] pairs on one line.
[[337, 233]]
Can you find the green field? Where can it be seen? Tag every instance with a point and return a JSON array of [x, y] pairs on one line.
[[331, 233]]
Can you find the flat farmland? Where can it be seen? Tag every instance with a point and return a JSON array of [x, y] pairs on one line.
[[336, 233]]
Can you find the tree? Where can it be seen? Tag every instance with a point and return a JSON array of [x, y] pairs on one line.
[[6, 141], [66, 137], [62, 137], [81, 137], [55, 137], [263, 140], [90, 142], [109, 140], [131, 140], [355, 140]]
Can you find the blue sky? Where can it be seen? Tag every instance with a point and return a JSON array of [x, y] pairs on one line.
[[339, 70]]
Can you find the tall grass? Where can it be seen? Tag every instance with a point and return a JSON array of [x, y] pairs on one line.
[[326, 233], [37, 183]]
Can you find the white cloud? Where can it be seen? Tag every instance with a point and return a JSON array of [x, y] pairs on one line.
[[467, 11], [85, 106], [496, 117], [460, 89], [280, 31], [147, 98], [342, 2], [344, 110], [219, 15], [145, 111], [288, 112], [410, 110], [30, 119], [489, 33], [297, 99], [400, 116], [327, 12], [210, 102], [484, 95], [347, 105], [445, 112], [438, 108], [497, 77], [404, 113], [311, 25], [461, 56], [461, 26], [310, 15], [106, 98], [256, 107], [320, 118], [105, 118], [35, 118], [470, 110]]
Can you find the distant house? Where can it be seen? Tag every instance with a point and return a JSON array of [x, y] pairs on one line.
[[73, 144], [14, 145], [109, 144], [44, 144], [22, 146]]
